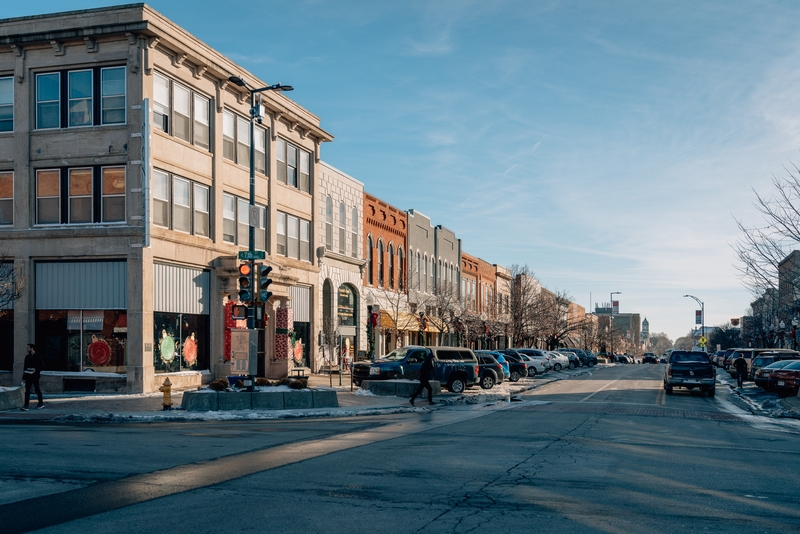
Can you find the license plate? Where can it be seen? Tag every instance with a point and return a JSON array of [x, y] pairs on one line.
[[780, 382]]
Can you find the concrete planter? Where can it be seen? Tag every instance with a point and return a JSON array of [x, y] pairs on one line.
[[398, 388], [203, 401], [13, 398]]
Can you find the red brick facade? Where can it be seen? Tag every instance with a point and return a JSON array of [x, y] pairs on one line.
[[385, 228], [482, 296]]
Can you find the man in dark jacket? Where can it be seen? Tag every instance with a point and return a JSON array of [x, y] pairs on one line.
[[741, 368], [425, 375], [34, 364]]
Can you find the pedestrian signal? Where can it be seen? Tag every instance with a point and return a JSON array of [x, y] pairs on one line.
[[239, 313], [246, 282]]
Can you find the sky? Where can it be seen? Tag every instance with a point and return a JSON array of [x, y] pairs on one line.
[[610, 146]]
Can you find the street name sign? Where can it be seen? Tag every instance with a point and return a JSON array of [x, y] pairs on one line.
[[252, 255]]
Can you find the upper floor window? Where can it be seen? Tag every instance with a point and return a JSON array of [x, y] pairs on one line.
[[294, 166], [380, 264], [328, 223], [85, 97], [391, 266], [81, 195], [342, 229], [7, 104], [236, 141], [236, 222], [181, 112], [180, 204], [400, 268], [294, 237], [370, 279], [6, 198], [354, 233]]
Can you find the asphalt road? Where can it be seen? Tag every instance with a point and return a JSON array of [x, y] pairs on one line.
[[603, 452]]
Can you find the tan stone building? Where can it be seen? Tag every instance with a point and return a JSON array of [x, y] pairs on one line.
[[123, 223]]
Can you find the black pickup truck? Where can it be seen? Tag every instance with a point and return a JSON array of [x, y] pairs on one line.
[[454, 367], [690, 369]]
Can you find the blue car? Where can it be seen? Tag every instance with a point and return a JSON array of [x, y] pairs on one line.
[[500, 359]]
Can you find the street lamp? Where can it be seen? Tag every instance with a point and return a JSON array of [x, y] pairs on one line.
[[702, 315], [611, 320], [256, 113]]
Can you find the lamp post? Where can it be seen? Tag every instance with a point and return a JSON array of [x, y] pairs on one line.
[[702, 315], [611, 320], [794, 333]]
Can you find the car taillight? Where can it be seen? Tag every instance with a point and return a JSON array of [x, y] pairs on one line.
[[669, 370], [524, 365], [499, 366]]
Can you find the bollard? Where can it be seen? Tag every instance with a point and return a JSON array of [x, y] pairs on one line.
[[167, 389]]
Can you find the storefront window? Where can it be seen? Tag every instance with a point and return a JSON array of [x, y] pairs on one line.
[[180, 342], [347, 306], [6, 340], [81, 340]]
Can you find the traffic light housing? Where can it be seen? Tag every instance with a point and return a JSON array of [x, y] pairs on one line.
[[264, 281], [246, 282]]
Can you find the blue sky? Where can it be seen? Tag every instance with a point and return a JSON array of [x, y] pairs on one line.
[[608, 145]]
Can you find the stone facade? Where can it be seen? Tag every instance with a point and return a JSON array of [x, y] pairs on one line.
[[340, 228], [75, 155]]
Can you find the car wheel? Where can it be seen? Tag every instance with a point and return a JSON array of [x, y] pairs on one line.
[[572, 365], [712, 392], [357, 383], [557, 367], [668, 389], [456, 385], [515, 376], [531, 372], [487, 382], [590, 364]]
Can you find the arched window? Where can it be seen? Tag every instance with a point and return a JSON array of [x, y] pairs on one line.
[[342, 229], [400, 283], [354, 232], [424, 282], [391, 267], [432, 285], [328, 224], [416, 272], [370, 279], [380, 263]]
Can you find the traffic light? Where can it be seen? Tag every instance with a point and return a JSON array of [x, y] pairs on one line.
[[263, 282], [246, 282]]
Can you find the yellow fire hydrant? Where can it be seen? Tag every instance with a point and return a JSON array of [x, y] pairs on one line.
[[167, 389]]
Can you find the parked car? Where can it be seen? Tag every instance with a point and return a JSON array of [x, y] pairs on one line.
[[786, 381], [574, 360], [649, 357], [560, 361], [761, 376], [539, 355], [587, 358], [517, 366], [500, 359], [767, 358], [535, 366], [455, 368], [687, 369], [491, 372], [749, 355]]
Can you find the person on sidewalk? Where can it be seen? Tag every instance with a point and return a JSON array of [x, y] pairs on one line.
[[425, 375], [34, 364], [741, 368]]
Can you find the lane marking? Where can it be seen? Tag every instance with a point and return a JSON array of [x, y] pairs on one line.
[[599, 390]]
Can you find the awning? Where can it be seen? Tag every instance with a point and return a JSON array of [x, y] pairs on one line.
[[406, 321]]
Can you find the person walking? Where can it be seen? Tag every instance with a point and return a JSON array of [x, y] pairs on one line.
[[741, 368], [34, 364], [425, 375]]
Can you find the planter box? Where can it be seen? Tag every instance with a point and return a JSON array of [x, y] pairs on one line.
[[12, 398], [398, 388], [203, 401]]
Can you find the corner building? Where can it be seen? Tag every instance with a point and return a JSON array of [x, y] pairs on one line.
[[123, 223]]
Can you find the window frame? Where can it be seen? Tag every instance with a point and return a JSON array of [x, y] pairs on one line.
[[65, 197], [299, 180], [10, 105], [70, 99], [7, 175], [193, 186], [290, 232], [234, 223], [342, 229], [191, 120]]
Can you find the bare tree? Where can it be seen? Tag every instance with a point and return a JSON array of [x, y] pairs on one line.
[[11, 284], [660, 342], [524, 292], [760, 249]]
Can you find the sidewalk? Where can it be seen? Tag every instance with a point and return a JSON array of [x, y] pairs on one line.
[[146, 407]]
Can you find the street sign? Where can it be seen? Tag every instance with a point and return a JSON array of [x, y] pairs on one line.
[[255, 217], [252, 255], [702, 341]]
